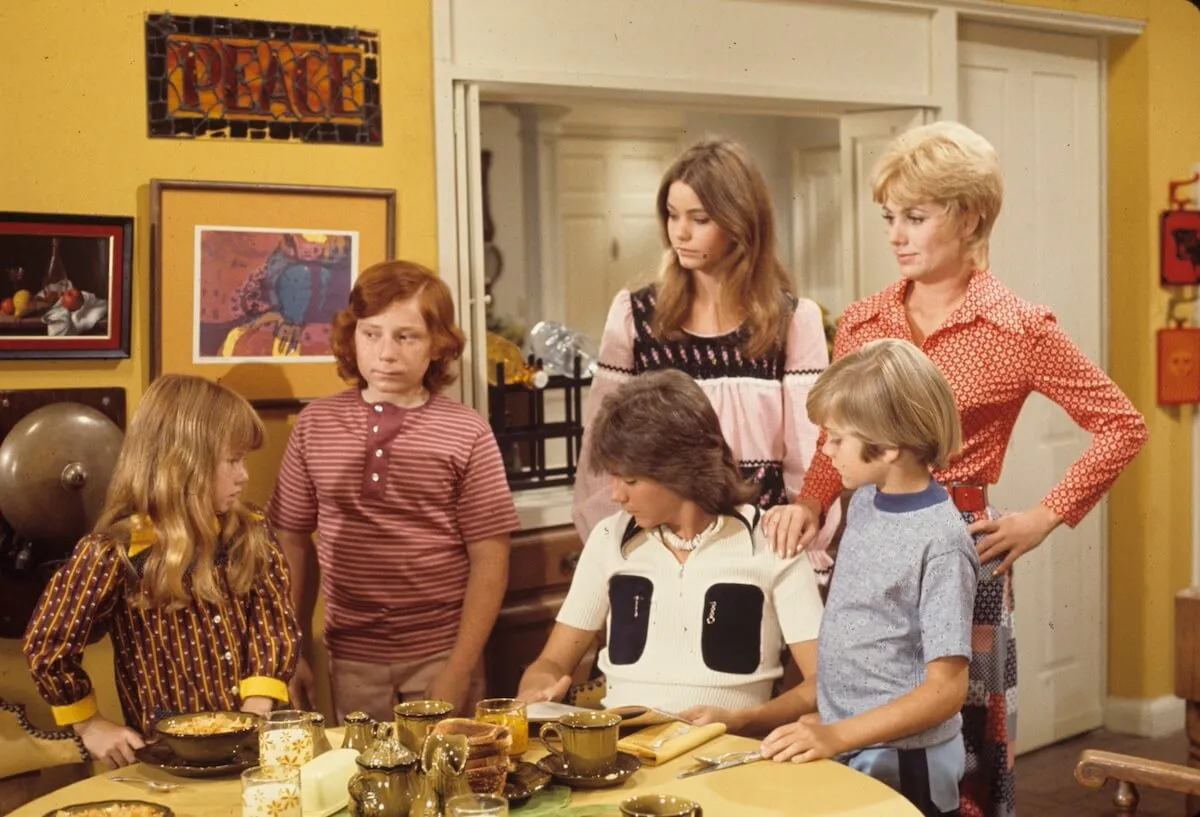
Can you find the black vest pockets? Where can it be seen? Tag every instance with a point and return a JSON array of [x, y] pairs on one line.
[[731, 628], [629, 611]]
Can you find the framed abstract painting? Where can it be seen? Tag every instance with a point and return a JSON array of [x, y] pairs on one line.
[[246, 280]]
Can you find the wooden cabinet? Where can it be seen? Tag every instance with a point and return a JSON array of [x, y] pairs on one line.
[[540, 570]]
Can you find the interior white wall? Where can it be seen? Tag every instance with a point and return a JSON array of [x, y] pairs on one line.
[[501, 134]]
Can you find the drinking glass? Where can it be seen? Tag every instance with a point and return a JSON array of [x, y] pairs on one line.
[[476, 805], [271, 791], [285, 738], [508, 712]]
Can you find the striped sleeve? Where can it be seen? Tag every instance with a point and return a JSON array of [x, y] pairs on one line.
[[591, 502], [80, 596], [485, 505], [293, 505], [273, 640]]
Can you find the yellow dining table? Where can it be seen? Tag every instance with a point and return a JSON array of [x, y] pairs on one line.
[[823, 788]]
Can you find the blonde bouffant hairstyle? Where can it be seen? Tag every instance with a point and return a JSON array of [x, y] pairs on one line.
[[162, 492], [948, 164], [735, 196], [890, 395]]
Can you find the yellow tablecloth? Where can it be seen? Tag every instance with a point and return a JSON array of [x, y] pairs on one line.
[[824, 788]]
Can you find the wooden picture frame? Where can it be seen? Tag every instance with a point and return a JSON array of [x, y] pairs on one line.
[[65, 285], [246, 278]]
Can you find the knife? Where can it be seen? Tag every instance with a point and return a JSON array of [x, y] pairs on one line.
[[728, 764]]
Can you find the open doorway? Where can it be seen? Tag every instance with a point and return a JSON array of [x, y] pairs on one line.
[[570, 192]]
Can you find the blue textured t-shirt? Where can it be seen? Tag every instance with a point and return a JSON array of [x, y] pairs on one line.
[[902, 595]]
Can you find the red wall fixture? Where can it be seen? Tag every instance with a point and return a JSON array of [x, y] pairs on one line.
[[1178, 365]]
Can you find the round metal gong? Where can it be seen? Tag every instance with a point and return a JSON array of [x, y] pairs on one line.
[[55, 466]]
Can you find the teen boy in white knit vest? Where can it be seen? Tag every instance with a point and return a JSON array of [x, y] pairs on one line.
[[696, 605]]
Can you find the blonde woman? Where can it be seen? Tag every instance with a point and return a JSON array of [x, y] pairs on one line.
[[941, 190], [187, 579], [722, 311]]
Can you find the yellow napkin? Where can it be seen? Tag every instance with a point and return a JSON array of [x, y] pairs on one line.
[[675, 740]]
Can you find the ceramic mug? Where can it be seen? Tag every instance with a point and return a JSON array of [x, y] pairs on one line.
[[589, 742], [414, 719], [660, 805]]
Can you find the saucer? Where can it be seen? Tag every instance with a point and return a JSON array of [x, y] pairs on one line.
[[79, 808], [524, 781], [160, 756], [626, 765]]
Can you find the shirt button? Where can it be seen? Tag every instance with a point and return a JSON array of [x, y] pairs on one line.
[[228, 656], [379, 452], [378, 409], [233, 689], [375, 429], [216, 619], [374, 477]]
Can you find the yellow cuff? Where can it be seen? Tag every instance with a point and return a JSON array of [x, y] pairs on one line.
[[266, 687], [77, 712]]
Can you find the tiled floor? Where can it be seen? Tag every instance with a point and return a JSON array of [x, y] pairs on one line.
[[1046, 785]]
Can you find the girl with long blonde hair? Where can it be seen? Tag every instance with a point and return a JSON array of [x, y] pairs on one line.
[[186, 578], [724, 312]]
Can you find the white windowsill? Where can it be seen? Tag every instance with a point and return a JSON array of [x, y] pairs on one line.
[[543, 507]]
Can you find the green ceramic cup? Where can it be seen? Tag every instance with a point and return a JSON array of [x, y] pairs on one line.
[[414, 719], [660, 805], [589, 742]]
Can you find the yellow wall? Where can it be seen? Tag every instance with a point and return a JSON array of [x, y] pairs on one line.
[[75, 72], [75, 142], [1153, 137]]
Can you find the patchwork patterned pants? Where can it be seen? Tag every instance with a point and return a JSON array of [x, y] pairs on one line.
[[990, 713]]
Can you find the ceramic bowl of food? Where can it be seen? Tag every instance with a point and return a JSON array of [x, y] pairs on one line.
[[113, 808], [208, 737]]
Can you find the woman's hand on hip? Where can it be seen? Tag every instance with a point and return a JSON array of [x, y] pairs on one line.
[[793, 527], [1013, 535]]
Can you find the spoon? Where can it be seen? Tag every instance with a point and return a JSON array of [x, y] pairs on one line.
[[153, 785]]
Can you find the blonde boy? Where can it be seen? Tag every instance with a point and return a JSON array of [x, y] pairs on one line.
[[895, 640]]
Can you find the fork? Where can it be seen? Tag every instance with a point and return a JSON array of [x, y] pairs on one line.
[[719, 759], [682, 729], [152, 785]]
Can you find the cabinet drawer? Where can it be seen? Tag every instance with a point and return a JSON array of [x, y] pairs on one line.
[[543, 558]]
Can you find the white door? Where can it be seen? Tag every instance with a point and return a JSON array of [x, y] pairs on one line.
[[1036, 97], [608, 229], [817, 226], [867, 262]]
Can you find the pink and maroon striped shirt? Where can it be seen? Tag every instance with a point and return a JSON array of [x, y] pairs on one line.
[[395, 495]]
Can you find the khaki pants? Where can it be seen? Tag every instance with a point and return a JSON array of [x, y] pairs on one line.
[[359, 686]]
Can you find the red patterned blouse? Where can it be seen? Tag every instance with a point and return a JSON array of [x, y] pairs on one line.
[[995, 349]]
